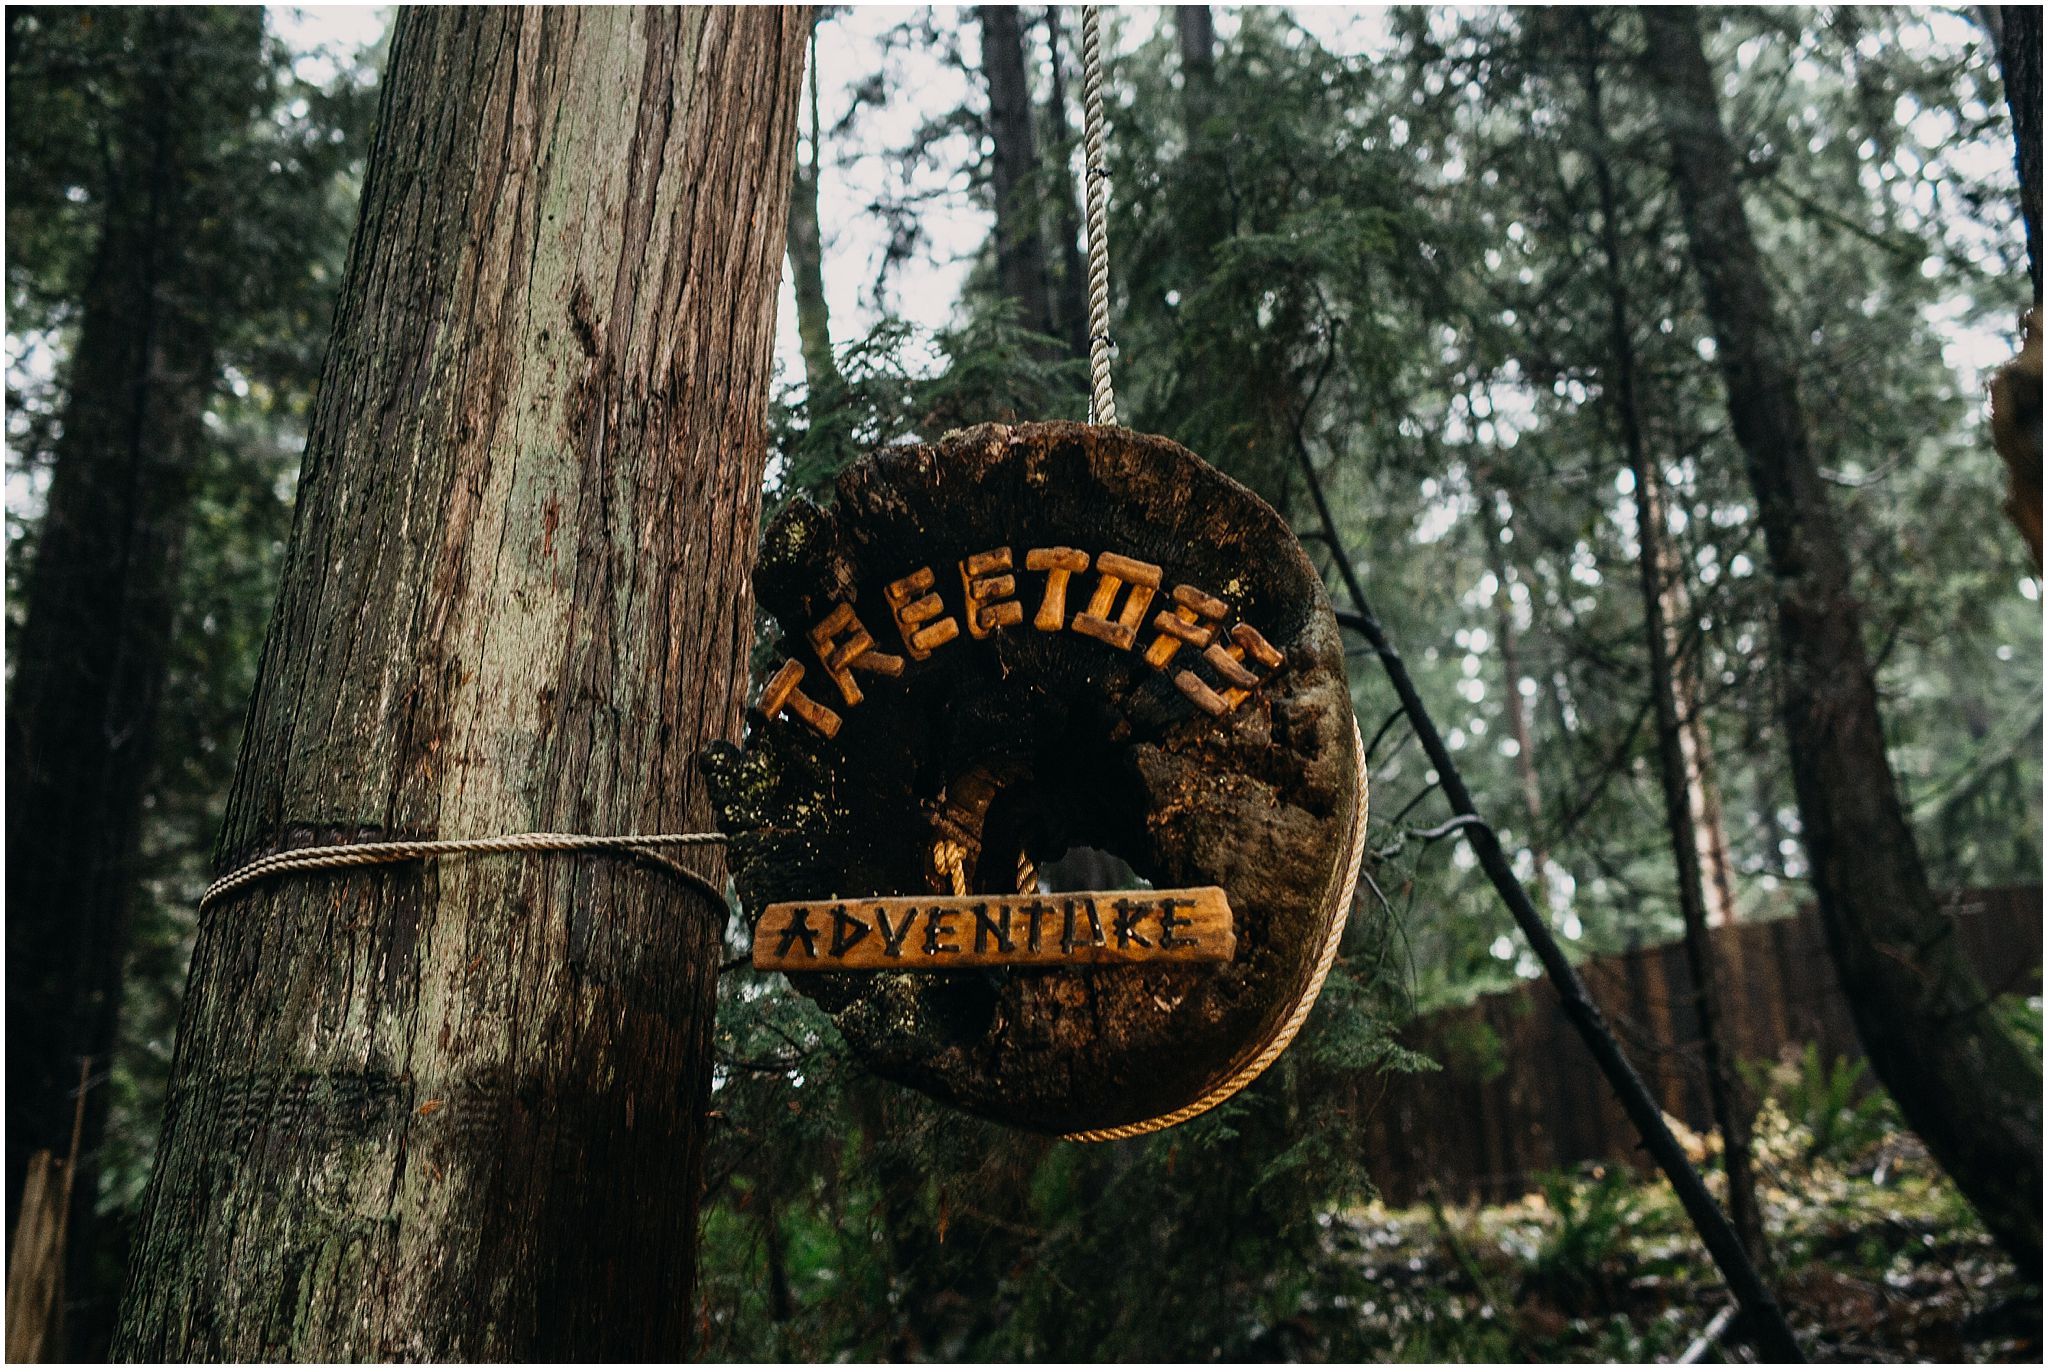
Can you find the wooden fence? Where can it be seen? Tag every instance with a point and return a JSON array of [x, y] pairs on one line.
[[1519, 1093]]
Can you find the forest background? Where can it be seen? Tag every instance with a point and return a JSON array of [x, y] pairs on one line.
[[1376, 257]]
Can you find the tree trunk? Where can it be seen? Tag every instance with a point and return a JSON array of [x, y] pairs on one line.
[[1072, 298], [456, 1111], [1020, 245], [2017, 31], [1969, 1089], [1676, 765], [1208, 202], [1702, 788], [1195, 30], [807, 250], [91, 657], [1511, 698]]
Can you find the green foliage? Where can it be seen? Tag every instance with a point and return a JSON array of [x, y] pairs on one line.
[[2021, 1014], [989, 370], [1383, 276], [1843, 1113], [281, 187], [906, 1229], [1377, 275], [1587, 1251]]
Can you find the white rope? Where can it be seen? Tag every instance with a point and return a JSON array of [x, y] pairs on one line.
[[397, 852], [1102, 401], [1270, 1050]]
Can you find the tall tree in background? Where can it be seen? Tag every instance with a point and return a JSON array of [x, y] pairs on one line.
[[1960, 1078], [1677, 744], [2016, 29], [1070, 299], [457, 1112], [171, 219], [82, 710], [807, 245], [1014, 172], [2016, 389]]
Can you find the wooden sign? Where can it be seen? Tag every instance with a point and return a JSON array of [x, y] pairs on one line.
[[995, 649], [1131, 927]]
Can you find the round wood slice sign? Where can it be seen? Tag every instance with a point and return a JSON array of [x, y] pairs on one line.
[[1018, 641]]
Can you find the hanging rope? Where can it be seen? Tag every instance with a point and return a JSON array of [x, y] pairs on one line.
[[1102, 401], [398, 852]]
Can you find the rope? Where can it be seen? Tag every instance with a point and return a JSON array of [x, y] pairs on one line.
[[398, 852], [1289, 1028], [1102, 401]]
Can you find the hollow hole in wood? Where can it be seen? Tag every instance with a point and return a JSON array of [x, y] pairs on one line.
[[1059, 831]]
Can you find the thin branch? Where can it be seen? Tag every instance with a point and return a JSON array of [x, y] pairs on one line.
[[1768, 1320]]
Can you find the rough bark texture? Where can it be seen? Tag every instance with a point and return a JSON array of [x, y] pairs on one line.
[[1962, 1081], [1021, 268], [456, 1111], [91, 656], [1090, 745], [807, 251], [2018, 32]]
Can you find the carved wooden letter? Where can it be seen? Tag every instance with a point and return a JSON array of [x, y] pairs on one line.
[[1113, 571], [1058, 563], [915, 608], [1192, 622], [782, 692], [991, 597], [857, 651]]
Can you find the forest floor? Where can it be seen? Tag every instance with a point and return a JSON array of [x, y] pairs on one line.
[[1878, 1260]]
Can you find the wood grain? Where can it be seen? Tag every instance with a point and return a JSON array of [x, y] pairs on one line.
[[515, 600]]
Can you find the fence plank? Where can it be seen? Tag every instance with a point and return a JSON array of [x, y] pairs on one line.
[[1547, 1108]]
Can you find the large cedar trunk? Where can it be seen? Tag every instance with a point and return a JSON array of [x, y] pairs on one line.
[[1962, 1081], [92, 654], [456, 1111], [1021, 268]]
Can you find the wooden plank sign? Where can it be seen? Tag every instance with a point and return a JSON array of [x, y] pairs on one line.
[[1126, 927]]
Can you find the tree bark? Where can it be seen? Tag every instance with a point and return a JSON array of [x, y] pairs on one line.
[[807, 250], [1702, 787], [1970, 1091], [456, 1111], [1194, 29], [91, 658], [2017, 32], [1208, 203], [1020, 245]]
